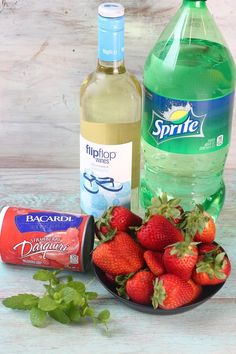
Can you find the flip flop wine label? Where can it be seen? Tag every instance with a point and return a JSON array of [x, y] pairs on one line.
[[46, 238], [105, 176]]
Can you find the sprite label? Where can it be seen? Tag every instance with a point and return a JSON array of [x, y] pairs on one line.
[[187, 127]]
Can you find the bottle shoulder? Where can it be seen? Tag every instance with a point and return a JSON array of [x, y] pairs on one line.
[[193, 69], [190, 59], [99, 81], [111, 98]]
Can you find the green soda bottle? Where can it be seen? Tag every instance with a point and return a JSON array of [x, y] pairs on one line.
[[189, 80]]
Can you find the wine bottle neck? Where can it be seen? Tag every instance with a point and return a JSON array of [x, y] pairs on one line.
[[111, 67], [111, 41]]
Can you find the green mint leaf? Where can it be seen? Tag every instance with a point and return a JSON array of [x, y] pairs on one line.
[[21, 301], [37, 317], [59, 316], [46, 303], [59, 287], [77, 285], [50, 289], [74, 314], [104, 316], [90, 295], [79, 300], [65, 301], [71, 295], [68, 294], [57, 296], [88, 311], [44, 275]]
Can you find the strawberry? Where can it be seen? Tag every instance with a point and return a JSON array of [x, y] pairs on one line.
[[103, 230], [207, 235], [200, 225], [168, 208], [197, 290], [118, 254], [110, 277], [119, 218], [139, 288], [212, 268], [181, 258], [170, 292], [178, 219], [204, 248], [154, 262], [157, 233]]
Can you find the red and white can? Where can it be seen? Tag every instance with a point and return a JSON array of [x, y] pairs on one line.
[[46, 238]]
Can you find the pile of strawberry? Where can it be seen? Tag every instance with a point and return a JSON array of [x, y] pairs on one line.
[[163, 260]]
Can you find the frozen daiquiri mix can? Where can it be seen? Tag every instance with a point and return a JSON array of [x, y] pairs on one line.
[[46, 238]]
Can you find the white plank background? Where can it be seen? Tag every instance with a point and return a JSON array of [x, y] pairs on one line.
[[47, 47]]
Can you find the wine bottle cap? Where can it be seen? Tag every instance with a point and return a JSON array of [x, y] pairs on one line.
[[111, 10]]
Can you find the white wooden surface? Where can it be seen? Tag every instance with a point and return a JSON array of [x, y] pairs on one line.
[[46, 49]]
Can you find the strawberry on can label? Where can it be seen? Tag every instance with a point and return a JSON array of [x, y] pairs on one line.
[[46, 238]]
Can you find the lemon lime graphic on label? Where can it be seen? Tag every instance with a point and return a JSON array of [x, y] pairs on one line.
[[178, 117], [177, 114]]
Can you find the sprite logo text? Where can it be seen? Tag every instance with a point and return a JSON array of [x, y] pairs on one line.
[[189, 126], [175, 123]]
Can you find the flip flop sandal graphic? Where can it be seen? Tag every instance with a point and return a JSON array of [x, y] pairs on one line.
[[109, 184], [89, 183]]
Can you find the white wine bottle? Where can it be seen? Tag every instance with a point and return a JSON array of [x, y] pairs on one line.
[[110, 113]]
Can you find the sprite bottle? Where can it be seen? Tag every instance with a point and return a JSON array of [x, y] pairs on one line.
[[189, 80]]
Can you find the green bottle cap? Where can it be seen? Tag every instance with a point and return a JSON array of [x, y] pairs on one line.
[[194, 1]]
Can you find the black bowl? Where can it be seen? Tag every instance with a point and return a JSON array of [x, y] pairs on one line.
[[207, 293]]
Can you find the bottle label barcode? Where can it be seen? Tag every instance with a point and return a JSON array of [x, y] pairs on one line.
[[74, 259], [220, 140]]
